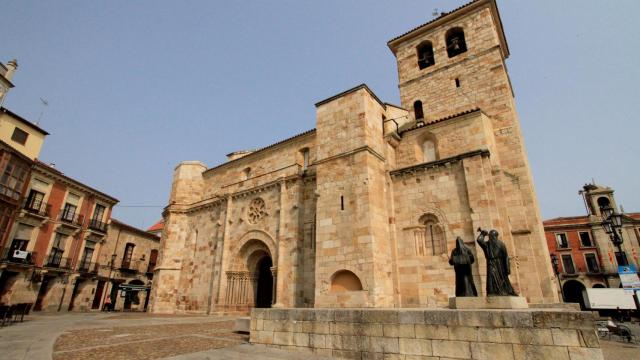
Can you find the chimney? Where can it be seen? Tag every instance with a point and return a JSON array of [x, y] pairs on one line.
[[12, 66]]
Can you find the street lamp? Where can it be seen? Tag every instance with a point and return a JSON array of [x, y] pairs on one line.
[[554, 262], [111, 266], [612, 224]]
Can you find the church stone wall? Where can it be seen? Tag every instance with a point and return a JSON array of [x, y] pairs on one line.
[[484, 84], [367, 202]]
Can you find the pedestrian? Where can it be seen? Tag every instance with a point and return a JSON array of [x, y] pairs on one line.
[[107, 304]]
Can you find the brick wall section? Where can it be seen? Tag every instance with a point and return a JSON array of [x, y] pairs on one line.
[[434, 334]]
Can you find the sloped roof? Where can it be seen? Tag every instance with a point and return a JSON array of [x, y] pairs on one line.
[[157, 226]]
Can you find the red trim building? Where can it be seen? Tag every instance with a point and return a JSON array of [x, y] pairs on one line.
[[585, 255]]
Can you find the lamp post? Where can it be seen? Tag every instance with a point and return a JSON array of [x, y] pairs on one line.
[[612, 224], [554, 262], [111, 265]]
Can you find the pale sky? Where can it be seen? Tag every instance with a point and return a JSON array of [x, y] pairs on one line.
[[135, 87]]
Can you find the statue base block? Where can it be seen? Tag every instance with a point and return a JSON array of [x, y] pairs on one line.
[[488, 302]]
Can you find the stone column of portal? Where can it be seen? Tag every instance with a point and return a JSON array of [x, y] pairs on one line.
[[281, 246], [274, 275]]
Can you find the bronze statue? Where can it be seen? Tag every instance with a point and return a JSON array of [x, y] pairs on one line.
[[498, 268], [461, 259]]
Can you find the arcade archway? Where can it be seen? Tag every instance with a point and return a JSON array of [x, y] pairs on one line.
[[573, 292]]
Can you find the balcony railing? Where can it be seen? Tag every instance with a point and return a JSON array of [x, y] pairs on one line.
[[98, 225], [71, 219], [11, 256], [37, 207], [9, 192], [57, 261], [88, 267], [130, 266]]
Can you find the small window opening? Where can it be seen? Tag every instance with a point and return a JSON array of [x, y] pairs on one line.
[[425, 55], [20, 136], [457, 82], [567, 263], [561, 240], [247, 173], [585, 239], [417, 110], [341, 202], [455, 41]]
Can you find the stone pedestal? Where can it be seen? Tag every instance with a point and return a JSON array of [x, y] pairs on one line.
[[372, 333], [489, 302]]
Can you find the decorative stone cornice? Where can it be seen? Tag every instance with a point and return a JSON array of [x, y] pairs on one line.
[[351, 152], [411, 170]]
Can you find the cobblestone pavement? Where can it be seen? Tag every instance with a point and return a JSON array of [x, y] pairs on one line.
[[135, 336], [140, 336], [615, 350]]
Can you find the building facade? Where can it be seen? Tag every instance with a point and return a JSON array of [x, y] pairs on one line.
[[363, 210], [132, 255], [586, 256], [58, 233], [20, 145]]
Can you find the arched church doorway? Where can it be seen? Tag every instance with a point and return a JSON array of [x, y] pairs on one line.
[[251, 277], [573, 292], [264, 292]]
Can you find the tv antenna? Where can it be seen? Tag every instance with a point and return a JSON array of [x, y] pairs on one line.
[[45, 103], [435, 12]]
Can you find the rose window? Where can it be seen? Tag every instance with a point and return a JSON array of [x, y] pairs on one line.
[[256, 210]]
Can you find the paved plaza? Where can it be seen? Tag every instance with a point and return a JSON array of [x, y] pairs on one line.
[[136, 336], [141, 336]]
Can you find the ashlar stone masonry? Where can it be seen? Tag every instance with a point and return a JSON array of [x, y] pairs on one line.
[[363, 210]]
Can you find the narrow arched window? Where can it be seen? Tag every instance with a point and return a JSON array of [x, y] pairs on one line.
[[429, 151], [434, 239], [455, 41], [417, 110], [425, 55]]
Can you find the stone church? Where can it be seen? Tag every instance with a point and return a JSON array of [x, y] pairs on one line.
[[364, 210]]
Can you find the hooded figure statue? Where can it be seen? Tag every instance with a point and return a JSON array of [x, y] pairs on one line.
[[498, 268], [461, 259]]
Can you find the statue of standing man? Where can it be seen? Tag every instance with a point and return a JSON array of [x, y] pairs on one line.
[[498, 268]]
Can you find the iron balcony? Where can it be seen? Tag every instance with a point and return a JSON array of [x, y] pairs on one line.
[[8, 256], [37, 207], [98, 225]]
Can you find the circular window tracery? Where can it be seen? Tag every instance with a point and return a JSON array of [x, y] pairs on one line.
[[256, 210]]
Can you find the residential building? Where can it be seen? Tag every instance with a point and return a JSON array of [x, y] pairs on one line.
[[59, 230], [21, 134], [131, 255], [364, 210], [157, 228], [586, 256]]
